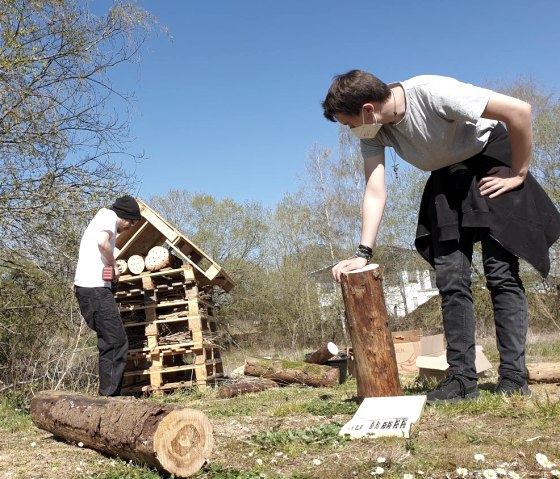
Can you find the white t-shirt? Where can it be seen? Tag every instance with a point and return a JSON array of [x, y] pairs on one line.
[[441, 125], [90, 260]]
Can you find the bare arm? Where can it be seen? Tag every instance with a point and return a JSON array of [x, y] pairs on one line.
[[516, 114], [372, 211], [106, 250]]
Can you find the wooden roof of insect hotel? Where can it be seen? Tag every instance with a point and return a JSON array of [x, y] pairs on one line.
[[153, 230]]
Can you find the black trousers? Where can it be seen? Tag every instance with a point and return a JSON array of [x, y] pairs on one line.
[[453, 277], [101, 313]]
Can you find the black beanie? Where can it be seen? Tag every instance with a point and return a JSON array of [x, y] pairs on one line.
[[127, 208]]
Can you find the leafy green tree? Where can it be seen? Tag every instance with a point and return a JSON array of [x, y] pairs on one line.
[[235, 236], [60, 151]]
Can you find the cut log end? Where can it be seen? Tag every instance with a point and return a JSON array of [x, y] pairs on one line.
[[183, 441], [323, 354], [123, 266], [157, 258], [136, 264], [172, 439]]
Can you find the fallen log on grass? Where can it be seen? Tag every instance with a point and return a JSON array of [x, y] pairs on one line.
[[544, 372], [253, 385], [292, 372], [168, 437]]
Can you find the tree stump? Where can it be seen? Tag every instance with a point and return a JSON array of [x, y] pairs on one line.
[[170, 438], [375, 361], [290, 372]]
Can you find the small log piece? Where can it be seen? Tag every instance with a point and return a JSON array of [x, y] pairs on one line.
[[123, 266], [157, 258], [170, 438], [136, 264], [290, 372], [323, 354], [544, 372], [253, 385], [375, 360]]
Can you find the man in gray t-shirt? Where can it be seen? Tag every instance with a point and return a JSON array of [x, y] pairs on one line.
[[479, 190]]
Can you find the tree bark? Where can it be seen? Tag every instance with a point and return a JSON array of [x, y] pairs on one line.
[[170, 438], [292, 372], [227, 391], [375, 365], [544, 372], [323, 354]]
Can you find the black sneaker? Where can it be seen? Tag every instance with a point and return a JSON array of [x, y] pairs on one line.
[[508, 386], [452, 389]]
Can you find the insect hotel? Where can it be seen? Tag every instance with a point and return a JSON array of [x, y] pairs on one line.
[[165, 299]]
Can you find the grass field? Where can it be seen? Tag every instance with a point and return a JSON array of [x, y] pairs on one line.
[[292, 432]]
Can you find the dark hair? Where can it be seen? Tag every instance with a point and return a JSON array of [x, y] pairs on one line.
[[350, 91]]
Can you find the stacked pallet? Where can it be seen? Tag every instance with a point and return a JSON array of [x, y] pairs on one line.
[[167, 310]]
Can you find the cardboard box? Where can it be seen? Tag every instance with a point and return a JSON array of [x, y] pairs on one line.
[[432, 363], [407, 348], [422, 355]]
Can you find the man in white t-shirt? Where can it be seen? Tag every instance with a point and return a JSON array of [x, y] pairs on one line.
[[95, 295], [477, 144]]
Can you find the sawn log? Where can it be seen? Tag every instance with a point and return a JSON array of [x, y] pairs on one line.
[[290, 372], [544, 372], [168, 437], [375, 360], [246, 386], [323, 354]]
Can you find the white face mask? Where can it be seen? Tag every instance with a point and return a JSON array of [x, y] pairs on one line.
[[365, 132]]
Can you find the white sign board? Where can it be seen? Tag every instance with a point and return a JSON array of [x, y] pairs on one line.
[[385, 416]]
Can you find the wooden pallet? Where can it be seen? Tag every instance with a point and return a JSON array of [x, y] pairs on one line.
[[171, 331], [163, 379]]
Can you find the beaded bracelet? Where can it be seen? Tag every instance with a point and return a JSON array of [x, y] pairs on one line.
[[365, 248], [362, 254]]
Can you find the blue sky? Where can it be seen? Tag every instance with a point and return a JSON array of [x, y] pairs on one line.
[[231, 106]]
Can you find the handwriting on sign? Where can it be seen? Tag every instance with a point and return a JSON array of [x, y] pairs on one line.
[[384, 424]]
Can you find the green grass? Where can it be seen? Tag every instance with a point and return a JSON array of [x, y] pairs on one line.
[[292, 432], [323, 434], [12, 418], [547, 350], [119, 469]]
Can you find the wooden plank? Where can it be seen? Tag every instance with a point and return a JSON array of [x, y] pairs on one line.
[[173, 320], [157, 221], [143, 240], [171, 369], [185, 272], [124, 238]]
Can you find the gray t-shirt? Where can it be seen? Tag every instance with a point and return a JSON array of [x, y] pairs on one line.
[[441, 125]]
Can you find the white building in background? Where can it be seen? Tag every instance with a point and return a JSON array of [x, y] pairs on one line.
[[408, 289], [404, 290]]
